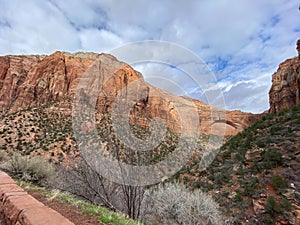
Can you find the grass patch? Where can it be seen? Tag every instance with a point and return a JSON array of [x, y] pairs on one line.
[[103, 214]]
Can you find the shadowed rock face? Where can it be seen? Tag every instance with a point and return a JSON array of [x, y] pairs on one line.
[[285, 90], [298, 47], [29, 81]]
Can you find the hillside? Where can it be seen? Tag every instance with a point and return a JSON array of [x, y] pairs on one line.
[[255, 176], [37, 100], [47, 131], [42, 131]]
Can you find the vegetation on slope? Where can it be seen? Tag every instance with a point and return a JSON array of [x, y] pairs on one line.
[[47, 131], [255, 176], [38, 131]]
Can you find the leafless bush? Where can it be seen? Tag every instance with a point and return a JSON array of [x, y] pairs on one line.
[[84, 181], [174, 204], [36, 169]]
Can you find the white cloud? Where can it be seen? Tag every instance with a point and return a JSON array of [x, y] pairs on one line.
[[35, 27], [245, 94], [98, 40], [81, 15], [241, 41]]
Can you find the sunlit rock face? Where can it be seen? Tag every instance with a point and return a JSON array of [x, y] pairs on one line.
[[27, 81]]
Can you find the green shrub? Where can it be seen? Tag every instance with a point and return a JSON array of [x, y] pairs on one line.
[[275, 129], [255, 168], [279, 183], [238, 198], [260, 143], [271, 206], [250, 186], [285, 204], [268, 220], [272, 158]]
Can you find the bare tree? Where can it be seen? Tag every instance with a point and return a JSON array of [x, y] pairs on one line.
[[83, 180]]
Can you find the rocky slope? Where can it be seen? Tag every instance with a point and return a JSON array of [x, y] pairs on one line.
[[255, 176], [31, 81], [285, 90]]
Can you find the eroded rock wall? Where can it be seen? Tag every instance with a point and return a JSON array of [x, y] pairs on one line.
[[285, 90], [29, 81]]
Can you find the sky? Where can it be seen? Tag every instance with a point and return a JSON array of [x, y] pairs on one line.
[[242, 42]]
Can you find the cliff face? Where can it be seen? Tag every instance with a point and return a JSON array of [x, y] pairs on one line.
[[285, 90], [29, 81]]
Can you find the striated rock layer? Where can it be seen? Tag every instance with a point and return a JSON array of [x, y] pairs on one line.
[[29, 81], [285, 90]]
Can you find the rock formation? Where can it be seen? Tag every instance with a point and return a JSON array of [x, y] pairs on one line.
[[29, 81], [298, 48], [285, 90]]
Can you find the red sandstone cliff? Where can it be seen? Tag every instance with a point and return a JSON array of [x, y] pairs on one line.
[[28, 81], [285, 90]]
